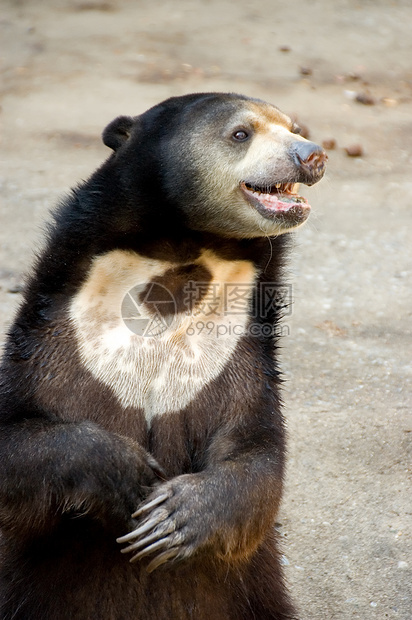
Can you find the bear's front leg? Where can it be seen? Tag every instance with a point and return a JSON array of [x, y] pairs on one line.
[[52, 470], [225, 509]]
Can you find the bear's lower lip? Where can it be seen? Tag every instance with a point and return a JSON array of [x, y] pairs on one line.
[[279, 201]]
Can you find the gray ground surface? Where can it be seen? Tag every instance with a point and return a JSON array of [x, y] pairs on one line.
[[69, 67]]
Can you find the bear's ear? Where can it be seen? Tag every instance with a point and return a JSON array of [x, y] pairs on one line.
[[118, 131]]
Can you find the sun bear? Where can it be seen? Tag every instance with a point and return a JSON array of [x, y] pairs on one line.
[[142, 440]]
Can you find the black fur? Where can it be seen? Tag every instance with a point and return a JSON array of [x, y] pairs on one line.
[[75, 464]]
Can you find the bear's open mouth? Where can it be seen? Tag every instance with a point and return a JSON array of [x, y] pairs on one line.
[[279, 196], [277, 199]]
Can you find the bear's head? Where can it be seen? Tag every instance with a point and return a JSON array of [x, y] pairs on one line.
[[225, 163]]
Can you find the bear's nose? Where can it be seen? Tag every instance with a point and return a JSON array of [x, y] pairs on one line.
[[310, 158]]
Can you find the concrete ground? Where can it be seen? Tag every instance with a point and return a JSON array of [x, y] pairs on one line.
[[343, 69]]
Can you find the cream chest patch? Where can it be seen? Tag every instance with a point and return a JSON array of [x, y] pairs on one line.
[[156, 332]]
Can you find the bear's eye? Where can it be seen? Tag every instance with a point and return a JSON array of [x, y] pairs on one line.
[[240, 135]]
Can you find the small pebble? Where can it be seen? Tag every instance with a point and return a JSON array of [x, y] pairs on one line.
[[354, 150], [389, 102], [350, 94], [365, 98], [17, 288], [284, 48], [353, 76], [329, 144], [402, 565], [305, 71]]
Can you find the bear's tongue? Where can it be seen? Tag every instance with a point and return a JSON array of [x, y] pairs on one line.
[[279, 197]]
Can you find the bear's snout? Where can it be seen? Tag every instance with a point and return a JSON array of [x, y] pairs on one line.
[[310, 159]]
